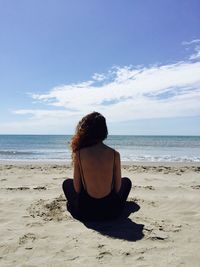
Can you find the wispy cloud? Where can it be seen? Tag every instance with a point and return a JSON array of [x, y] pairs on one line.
[[196, 47], [196, 55], [98, 77], [195, 41], [125, 93]]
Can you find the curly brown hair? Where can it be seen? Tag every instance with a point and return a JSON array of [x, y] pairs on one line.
[[90, 130]]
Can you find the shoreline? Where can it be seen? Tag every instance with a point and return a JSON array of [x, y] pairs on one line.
[[123, 163]]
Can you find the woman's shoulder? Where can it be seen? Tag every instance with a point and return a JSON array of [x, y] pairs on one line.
[[102, 147], [113, 150]]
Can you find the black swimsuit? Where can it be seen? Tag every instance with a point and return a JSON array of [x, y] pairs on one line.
[[103, 208]]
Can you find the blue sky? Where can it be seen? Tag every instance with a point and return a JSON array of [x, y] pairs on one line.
[[137, 62]]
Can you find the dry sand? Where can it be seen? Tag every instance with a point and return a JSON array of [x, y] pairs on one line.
[[163, 228]]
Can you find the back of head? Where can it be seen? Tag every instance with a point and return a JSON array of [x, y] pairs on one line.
[[90, 130]]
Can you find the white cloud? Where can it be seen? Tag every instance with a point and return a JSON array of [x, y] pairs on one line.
[[98, 77], [128, 93], [195, 41], [130, 87], [196, 47], [40, 113], [196, 55]]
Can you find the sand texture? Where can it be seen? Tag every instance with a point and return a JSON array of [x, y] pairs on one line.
[[160, 225]]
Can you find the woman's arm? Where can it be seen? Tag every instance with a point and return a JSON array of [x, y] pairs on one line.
[[76, 175], [117, 172]]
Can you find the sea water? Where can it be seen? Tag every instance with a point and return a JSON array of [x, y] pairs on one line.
[[131, 148]]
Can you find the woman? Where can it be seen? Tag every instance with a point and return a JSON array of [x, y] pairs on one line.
[[97, 191]]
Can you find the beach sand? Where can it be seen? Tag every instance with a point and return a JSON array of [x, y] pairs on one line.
[[163, 228]]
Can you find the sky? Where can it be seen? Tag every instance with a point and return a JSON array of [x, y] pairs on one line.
[[136, 62]]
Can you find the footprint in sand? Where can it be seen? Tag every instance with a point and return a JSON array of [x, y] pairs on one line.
[[40, 188], [8, 167], [100, 246], [197, 169], [49, 210], [161, 230], [126, 253], [27, 240], [140, 258], [158, 237], [18, 188], [149, 187], [195, 187], [103, 254]]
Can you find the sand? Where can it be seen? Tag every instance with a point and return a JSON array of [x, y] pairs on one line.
[[163, 228]]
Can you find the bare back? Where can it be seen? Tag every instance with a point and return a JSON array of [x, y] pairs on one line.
[[99, 168]]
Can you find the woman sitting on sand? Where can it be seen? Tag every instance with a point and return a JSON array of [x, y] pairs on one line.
[[97, 191]]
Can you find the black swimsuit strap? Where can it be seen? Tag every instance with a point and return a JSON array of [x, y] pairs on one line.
[[81, 171], [113, 177]]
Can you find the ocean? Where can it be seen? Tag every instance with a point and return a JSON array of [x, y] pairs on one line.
[[131, 148]]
